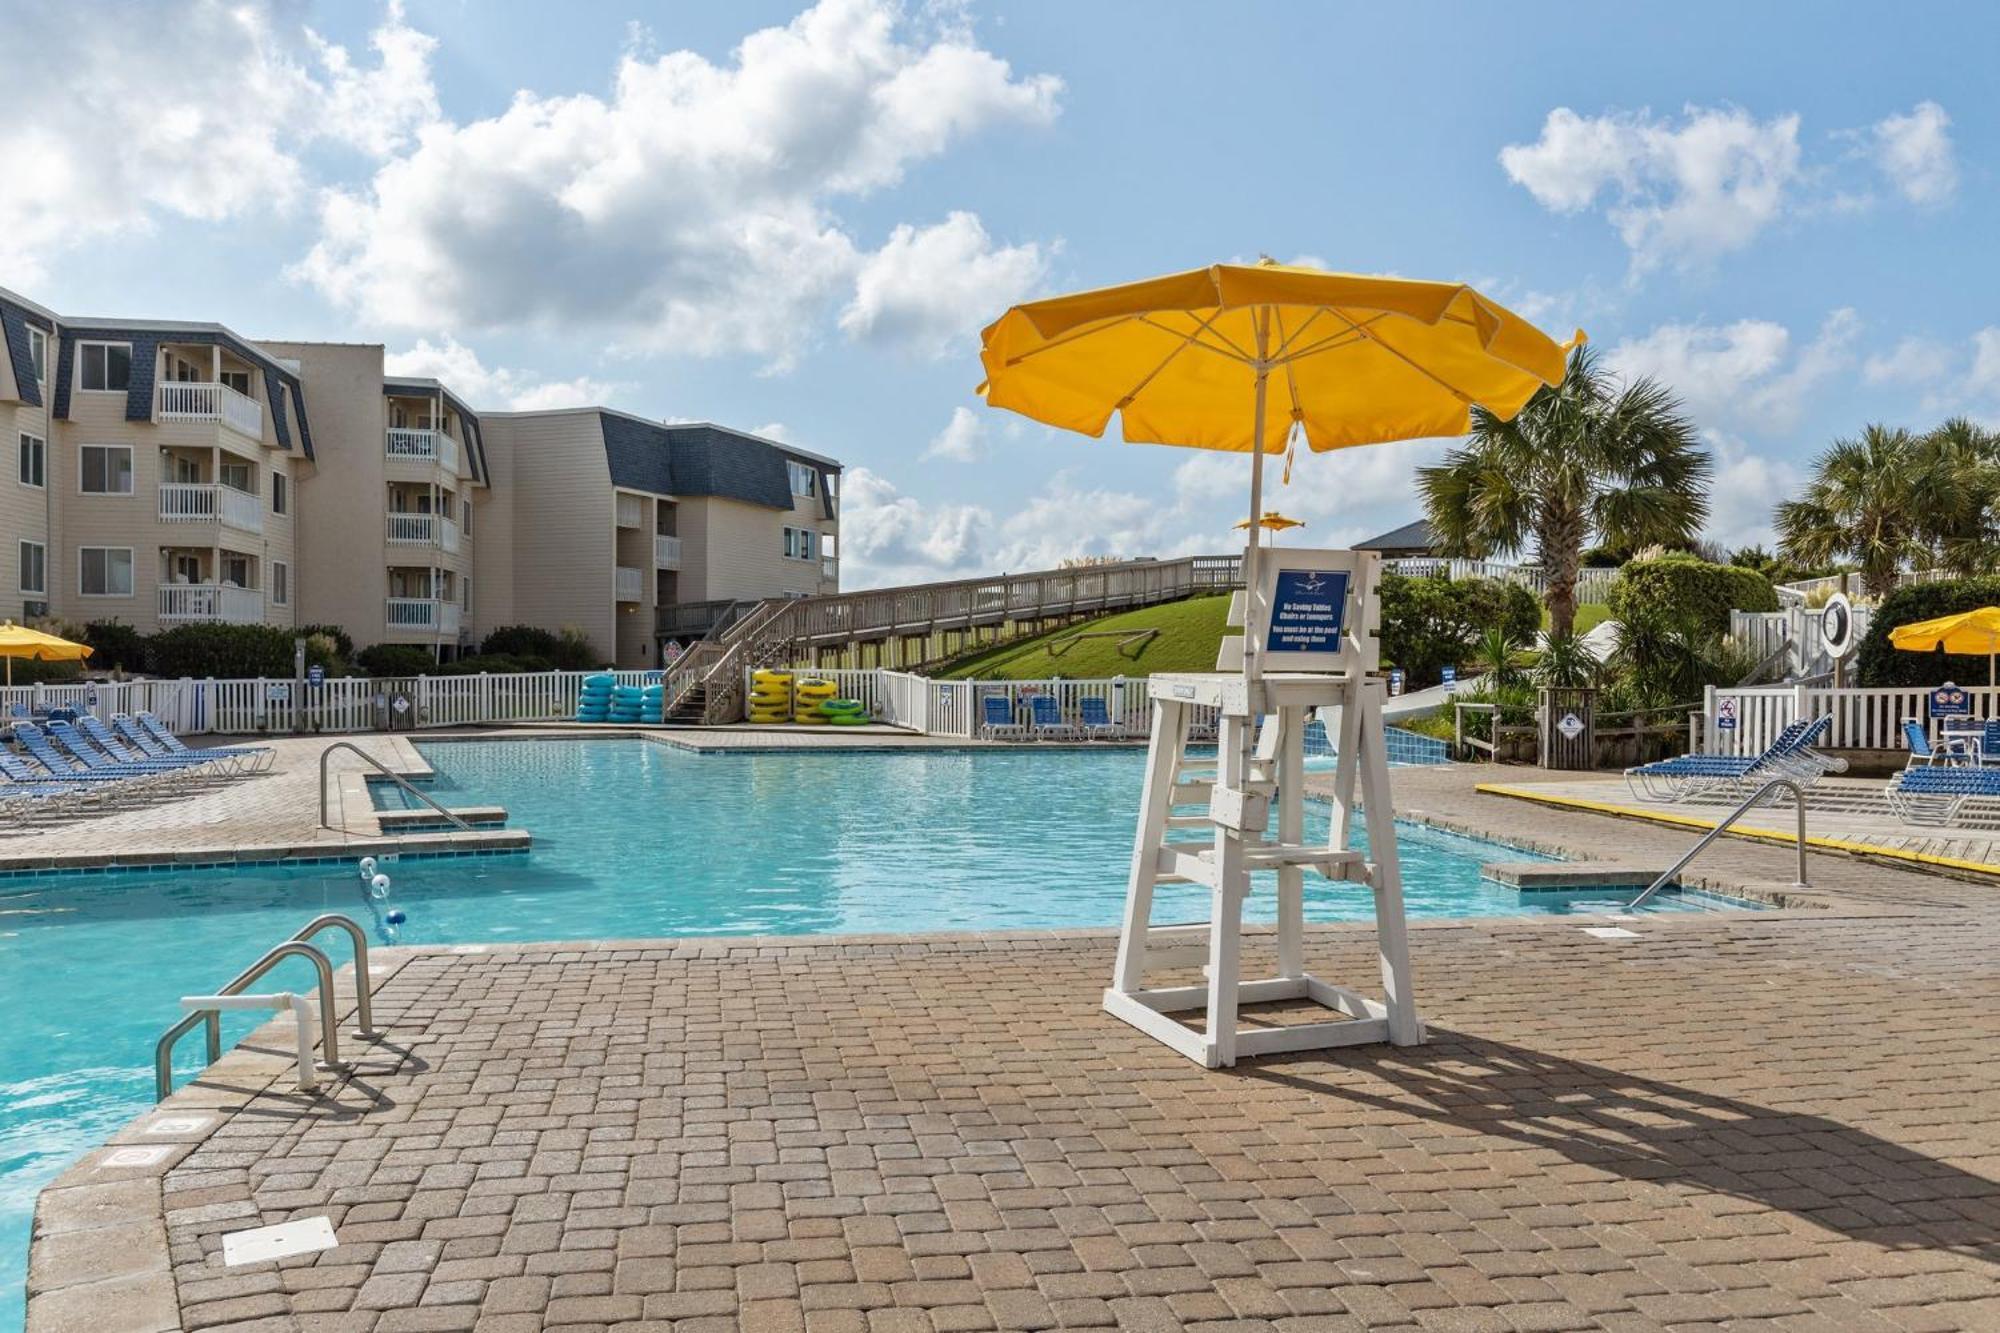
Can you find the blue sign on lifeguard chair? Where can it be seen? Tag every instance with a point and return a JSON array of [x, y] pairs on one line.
[[1949, 700]]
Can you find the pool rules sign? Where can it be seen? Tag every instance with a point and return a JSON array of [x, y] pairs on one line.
[[1307, 619]]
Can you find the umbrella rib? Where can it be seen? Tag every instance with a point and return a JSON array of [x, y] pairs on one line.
[[1292, 380], [1371, 336], [1332, 342], [1285, 346], [1228, 349], [1186, 341], [1073, 335]]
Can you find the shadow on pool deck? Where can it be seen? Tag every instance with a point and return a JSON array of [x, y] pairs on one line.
[[1827, 1173]]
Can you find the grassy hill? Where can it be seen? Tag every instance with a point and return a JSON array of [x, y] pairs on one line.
[[1189, 634]]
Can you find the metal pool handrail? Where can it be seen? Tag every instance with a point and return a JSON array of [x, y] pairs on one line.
[[1798, 797], [385, 771], [364, 982], [163, 1050]]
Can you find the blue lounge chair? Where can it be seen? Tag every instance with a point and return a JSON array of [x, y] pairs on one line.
[[1691, 775], [85, 751], [998, 710], [102, 739], [19, 770], [1939, 793], [1046, 717], [1097, 718], [38, 744], [1950, 750], [255, 758]]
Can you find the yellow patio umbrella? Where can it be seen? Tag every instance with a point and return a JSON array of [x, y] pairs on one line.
[[1968, 633], [20, 641], [1272, 521], [1201, 359]]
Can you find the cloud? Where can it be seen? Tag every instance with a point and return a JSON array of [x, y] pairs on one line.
[[1746, 486], [690, 209], [1746, 373], [493, 388], [961, 439], [1682, 193], [931, 289], [199, 111], [1913, 360], [1915, 153], [887, 537]]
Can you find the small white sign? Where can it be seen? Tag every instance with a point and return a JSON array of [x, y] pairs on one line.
[[150, 1155], [1571, 726], [179, 1124], [263, 1244], [1725, 715], [402, 705], [1611, 932], [277, 692]]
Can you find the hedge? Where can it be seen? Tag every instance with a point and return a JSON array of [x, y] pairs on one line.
[[1432, 622], [1878, 664], [222, 651], [397, 659], [1688, 590]]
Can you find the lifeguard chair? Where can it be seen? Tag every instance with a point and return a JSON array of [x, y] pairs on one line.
[[1309, 647]]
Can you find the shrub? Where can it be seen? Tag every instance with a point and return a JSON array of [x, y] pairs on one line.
[[115, 646], [1688, 592], [397, 659], [226, 651], [343, 642], [1877, 663], [1430, 623], [497, 663], [566, 651]]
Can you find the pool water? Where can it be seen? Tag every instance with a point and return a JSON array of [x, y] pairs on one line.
[[631, 839]]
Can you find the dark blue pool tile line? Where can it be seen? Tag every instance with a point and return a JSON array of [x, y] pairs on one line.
[[231, 863]]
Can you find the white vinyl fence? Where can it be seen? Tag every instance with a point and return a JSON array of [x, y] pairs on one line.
[[1745, 720]]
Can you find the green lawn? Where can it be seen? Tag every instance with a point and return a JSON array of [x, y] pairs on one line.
[[1190, 633], [1589, 615]]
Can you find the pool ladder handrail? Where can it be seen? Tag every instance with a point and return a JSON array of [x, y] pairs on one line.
[[295, 947], [1798, 790], [386, 772]]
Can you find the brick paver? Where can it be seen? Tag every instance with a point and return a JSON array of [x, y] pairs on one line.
[[1780, 1120]]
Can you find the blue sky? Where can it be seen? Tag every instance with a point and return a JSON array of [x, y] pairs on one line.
[[798, 219]]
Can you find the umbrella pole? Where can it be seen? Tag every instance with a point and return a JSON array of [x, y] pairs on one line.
[[1253, 665]]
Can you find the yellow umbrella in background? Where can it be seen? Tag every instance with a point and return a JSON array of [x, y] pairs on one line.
[[20, 641], [1272, 521], [1202, 358], [1968, 633]]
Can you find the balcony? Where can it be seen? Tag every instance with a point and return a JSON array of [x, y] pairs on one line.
[[666, 551], [423, 615], [206, 502], [627, 584], [422, 530], [210, 604], [631, 511], [421, 446], [183, 400]]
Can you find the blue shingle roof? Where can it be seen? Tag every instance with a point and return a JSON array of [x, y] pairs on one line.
[[145, 361], [14, 323], [701, 459]]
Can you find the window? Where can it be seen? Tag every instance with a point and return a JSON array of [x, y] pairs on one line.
[[107, 367], [34, 568], [278, 497], [465, 595], [104, 571], [798, 543], [465, 516], [105, 469], [38, 353], [236, 476], [281, 583], [235, 570], [805, 478], [34, 461], [238, 380]]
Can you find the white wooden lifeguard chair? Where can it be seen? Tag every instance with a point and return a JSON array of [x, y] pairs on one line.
[[1309, 646]]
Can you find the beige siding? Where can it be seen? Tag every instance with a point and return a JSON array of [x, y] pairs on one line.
[[743, 549], [558, 489], [24, 510]]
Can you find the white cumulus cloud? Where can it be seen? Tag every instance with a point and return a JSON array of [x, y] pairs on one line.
[[1750, 374], [961, 440], [493, 387], [199, 110], [930, 289], [1915, 153], [690, 208]]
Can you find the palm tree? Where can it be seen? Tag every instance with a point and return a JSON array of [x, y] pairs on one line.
[[1868, 502], [1958, 475], [1588, 458]]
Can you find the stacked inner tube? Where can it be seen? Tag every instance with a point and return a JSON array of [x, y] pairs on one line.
[[808, 697], [593, 704], [771, 696], [652, 704], [626, 701], [845, 713]]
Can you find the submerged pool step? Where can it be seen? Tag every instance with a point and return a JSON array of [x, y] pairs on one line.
[[423, 817], [1569, 876]]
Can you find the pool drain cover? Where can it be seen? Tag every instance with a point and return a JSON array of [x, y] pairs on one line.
[[1610, 932], [261, 1244]]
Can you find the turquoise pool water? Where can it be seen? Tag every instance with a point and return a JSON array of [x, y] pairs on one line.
[[631, 839]]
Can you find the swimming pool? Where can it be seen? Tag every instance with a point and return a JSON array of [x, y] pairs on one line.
[[631, 839]]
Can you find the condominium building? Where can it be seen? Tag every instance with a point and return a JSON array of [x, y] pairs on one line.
[[170, 473]]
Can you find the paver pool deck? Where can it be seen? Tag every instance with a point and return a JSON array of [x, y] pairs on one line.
[[1774, 1120]]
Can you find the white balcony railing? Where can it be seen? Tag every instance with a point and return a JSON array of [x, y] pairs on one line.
[[666, 551], [627, 583], [210, 604], [631, 511], [182, 400], [448, 535], [422, 613], [206, 502], [422, 446], [413, 529]]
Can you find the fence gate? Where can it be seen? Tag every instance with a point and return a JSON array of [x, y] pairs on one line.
[[1569, 728]]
